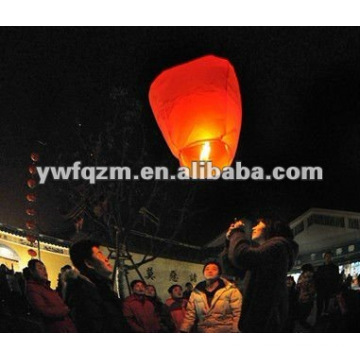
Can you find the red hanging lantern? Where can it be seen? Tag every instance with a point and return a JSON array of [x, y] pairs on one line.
[[31, 225], [32, 170], [32, 253], [31, 197], [31, 183], [197, 106], [35, 157], [31, 212], [31, 238]]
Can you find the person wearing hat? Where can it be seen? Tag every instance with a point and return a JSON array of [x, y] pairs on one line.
[[214, 304], [176, 305]]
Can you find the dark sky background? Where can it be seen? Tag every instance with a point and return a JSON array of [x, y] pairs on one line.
[[301, 106]]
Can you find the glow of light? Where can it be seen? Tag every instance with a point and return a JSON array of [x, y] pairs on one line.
[[205, 152]]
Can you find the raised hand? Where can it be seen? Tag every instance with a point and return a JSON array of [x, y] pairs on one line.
[[237, 226]]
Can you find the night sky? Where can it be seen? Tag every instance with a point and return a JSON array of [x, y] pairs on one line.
[[301, 106]]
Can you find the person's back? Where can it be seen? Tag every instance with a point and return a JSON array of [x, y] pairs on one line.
[[328, 281], [328, 278]]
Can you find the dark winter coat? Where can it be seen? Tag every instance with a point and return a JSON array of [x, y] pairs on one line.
[[49, 306], [95, 307], [140, 314], [265, 296]]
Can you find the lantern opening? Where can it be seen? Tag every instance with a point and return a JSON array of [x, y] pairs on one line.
[[205, 152], [215, 151]]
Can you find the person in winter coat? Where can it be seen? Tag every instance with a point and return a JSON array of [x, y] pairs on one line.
[[161, 310], [214, 304], [328, 281], [46, 302], [95, 307], [139, 311], [265, 306], [176, 305]]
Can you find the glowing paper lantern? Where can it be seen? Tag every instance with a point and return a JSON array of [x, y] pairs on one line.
[[32, 253], [31, 212], [197, 106], [31, 225], [35, 157], [32, 169], [31, 239], [31, 183], [31, 197]]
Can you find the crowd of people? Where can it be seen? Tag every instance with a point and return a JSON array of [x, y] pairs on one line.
[[324, 300], [266, 300]]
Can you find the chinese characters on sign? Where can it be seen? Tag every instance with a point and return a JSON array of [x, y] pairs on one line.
[[150, 275], [193, 277], [173, 276]]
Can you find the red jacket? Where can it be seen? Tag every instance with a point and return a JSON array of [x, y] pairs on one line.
[[49, 305], [177, 310], [140, 314]]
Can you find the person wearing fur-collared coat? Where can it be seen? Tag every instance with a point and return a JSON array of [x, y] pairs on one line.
[[214, 305], [265, 306]]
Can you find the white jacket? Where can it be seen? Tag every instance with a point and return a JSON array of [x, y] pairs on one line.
[[223, 314]]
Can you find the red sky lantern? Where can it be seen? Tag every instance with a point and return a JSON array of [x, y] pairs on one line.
[[32, 253], [31, 212], [31, 183], [32, 169], [31, 197], [35, 157], [30, 224], [31, 238], [197, 106]]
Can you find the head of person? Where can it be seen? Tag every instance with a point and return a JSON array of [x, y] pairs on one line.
[[65, 268], [150, 291], [189, 286], [175, 291], [138, 287], [3, 269], [37, 270], [212, 270], [307, 268], [267, 228], [26, 273], [87, 256], [290, 282], [328, 257]]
